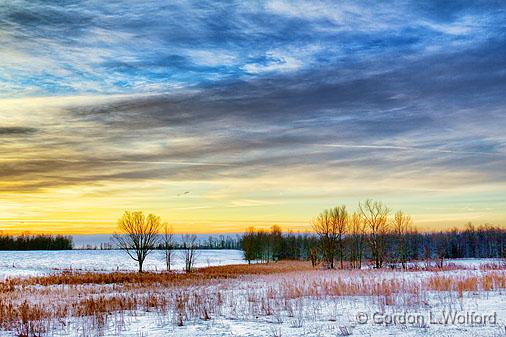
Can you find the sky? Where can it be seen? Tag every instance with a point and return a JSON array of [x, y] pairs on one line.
[[221, 115]]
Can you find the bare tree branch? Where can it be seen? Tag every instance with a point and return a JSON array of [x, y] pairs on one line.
[[138, 236]]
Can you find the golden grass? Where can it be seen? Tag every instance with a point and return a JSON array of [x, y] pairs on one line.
[[485, 282], [200, 275], [30, 306], [258, 268]]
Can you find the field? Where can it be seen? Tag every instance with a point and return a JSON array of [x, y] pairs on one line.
[[288, 298], [36, 263]]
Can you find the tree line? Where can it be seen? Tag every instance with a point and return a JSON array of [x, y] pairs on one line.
[[211, 242], [371, 234], [35, 242], [272, 245]]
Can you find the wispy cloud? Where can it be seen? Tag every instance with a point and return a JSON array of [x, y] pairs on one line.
[[412, 148], [307, 103]]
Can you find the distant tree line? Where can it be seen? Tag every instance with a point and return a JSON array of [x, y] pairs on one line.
[[212, 242], [373, 235], [273, 245], [35, 242], [484, 241]]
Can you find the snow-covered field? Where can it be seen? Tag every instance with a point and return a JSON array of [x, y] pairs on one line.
[[32, 263], [467, 299]]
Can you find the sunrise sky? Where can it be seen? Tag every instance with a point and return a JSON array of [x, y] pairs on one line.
[[219, 116]]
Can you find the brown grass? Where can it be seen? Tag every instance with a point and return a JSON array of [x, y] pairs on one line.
[[258, 268], [201, 275], [487, 282], [31, 306], [88, 295]]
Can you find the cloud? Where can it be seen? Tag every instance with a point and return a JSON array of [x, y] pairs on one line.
[[16, 131], [318, 120], [93, 47], [311, 101], [273, 62]]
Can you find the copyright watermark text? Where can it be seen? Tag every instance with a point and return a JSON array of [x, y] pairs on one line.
[[428, 318]]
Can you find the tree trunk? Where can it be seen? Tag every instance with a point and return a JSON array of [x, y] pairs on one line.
[[341, 252], [168, 259]]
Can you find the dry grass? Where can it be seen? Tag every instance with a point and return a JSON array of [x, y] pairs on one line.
[[73, 294], [74, 278], [34, 306], [201, 275], [485, 282], [258, 268], [434, 267]]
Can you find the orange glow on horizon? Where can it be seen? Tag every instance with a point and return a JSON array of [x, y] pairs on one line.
[[13, 227], [55, 189]]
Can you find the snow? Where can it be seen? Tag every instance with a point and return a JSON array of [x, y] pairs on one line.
[[466, 263], [243, 313], [312, 316], [31, 263], [325, 316]]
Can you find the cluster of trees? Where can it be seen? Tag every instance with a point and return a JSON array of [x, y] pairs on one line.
[[369, 225], [274, 245], [212, 242], [221, 242], [140, 235], [35, 242], [374, 234], [485, 241]]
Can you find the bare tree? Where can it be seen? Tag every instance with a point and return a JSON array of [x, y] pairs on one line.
[[138, 236], [375, 215], [339, 222], [326, 230], [168, 245], [189, 245], [357, 229], [402, 226]]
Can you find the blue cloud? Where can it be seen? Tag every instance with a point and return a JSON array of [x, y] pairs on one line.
[[265, 86], [99, 44]]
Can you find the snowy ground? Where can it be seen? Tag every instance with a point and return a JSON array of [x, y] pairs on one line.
[[329, 317], [31, 263], [300, 303]]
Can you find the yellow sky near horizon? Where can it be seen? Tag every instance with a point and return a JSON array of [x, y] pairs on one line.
[[67, 173], [204, 209], [281, 111]]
